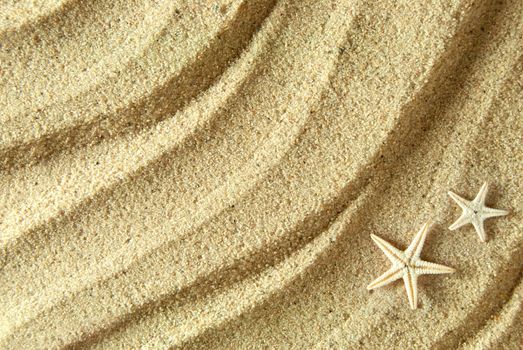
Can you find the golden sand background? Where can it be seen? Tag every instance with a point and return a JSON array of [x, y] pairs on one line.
[[206, 174]]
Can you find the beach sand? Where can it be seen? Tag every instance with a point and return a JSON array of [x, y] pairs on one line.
[[207, 174]]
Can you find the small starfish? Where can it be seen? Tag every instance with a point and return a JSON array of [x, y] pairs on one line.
[[475, 212], [407, 265]]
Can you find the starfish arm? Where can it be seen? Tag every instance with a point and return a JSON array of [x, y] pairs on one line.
[[395, 255], [422, 267], [491, 212], [462, 220], [391, 275], [411, 286], [462, 202], [480, 229], [414, 249], [482, 194]]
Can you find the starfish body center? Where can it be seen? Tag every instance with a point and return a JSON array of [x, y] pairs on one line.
[[409, 265]]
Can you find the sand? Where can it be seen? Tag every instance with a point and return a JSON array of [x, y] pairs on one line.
[[207, 174]]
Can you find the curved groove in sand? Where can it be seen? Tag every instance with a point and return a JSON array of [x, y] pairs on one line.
[[18, 15], [250, 269], [168, 95], [63, 32], [496, 331], [390, 150], [268, 154], [365, 308], [217, 184], [31, 305], [53, 81], [161, 141], [298, 261]]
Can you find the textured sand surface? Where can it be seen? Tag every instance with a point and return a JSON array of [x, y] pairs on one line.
[[206, 174]]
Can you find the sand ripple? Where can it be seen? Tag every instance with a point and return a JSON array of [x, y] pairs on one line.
[[206, 174]]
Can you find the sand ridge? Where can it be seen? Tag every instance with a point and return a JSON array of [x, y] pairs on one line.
[[208, 174]]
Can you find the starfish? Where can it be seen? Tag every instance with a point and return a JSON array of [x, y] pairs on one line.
[[407, 265], [475, 212]]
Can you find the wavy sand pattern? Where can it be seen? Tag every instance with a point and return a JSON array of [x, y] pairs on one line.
[[206, 174]]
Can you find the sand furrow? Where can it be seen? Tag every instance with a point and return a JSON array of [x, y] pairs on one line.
[[263, 155], [19, 14], [206, 174], [153, 97], [380, 309], [342, 200], [30, 184]]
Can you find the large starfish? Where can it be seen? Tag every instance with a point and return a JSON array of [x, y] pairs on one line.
[[407, 265], [475, 212]]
